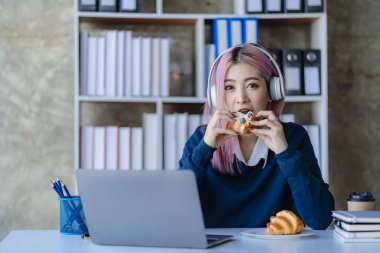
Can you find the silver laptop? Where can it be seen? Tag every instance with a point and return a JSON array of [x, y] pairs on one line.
[[144, 208]]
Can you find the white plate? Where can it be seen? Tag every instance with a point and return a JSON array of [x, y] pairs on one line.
[[260, 233]]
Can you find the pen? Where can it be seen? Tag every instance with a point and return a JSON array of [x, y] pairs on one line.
[[59, 188], [59, 183], [66, 190], [54, 186]]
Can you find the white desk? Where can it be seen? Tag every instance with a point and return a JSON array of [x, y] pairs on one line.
[[48, 241]]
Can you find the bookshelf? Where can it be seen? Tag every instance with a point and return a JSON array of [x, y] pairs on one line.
[[192, 31]]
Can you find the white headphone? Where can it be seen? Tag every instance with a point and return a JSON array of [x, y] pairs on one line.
[[276, 83]]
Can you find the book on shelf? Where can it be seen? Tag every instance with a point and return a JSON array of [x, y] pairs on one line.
[[111, 150], [100, 67], [127, 5], [165, 66], [151, 141], [87, 5], [120, 63], [312, 71], [99, 154], [250, 30], [235, 31], [136, 66], [182, 133], [124, 148], [156, 71], [293, 6], [220, 35], [107, 5], [274, 6], [83, 68], [292, 66], [137, 148], [110, 63], [146, 63], [254, 6], [92, 66], [86, 147], [170, 143], [128, 57]]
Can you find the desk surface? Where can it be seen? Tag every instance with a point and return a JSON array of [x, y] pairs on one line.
[[52, 241]]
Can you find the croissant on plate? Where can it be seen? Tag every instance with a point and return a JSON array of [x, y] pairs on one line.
[[284, 223]]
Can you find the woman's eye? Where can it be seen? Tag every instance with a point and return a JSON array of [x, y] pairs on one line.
[[253, 85], [228, 87]]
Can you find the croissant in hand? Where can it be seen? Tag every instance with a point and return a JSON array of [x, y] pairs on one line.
[[284, 223]]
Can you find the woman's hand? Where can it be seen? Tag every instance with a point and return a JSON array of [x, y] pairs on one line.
[[215, 135], [272, 134]]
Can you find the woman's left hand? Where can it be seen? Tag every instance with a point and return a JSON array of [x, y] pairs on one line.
[[272, 133]]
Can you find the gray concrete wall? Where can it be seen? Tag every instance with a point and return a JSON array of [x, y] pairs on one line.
[[36, 110], [36, 105]]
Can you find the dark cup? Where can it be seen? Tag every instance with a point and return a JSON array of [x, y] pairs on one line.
[[360, 201]]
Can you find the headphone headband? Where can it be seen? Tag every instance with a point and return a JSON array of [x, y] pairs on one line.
[[276, 84]]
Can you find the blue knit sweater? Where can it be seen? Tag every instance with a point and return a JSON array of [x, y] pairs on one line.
[[290, 180]]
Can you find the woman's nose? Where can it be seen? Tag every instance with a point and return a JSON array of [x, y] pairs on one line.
[[241, 96]]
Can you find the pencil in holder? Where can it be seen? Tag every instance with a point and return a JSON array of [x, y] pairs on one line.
[[72, 220]]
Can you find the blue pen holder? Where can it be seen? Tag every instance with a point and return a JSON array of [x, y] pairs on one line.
[[72, 220]]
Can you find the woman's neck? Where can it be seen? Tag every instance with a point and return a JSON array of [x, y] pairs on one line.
[[247, 143]]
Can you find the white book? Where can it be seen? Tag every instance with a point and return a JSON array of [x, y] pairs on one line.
[[112, 147], [99, 148], [314, 134], [251, 30], [128, 64], [92, 58], [100, 68], [83, 63], [124, 148], [355, 240], [170, 142], [156, 73], [194, 122], [111, 46], [236, 32], [120, 55], [86, 147], [165, 66], [357, 235], [182, 129], [221, 36], [137, 148], [146, 62], [136, 66], [151, 146]]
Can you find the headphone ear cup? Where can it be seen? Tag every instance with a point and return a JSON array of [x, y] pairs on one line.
[[275, 88], [212, 99]]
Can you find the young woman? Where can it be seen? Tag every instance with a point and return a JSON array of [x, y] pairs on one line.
[[243, 180]]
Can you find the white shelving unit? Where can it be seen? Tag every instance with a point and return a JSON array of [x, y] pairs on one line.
[[317, 23]]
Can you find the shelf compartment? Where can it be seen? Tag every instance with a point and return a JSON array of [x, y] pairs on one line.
[[114, 114]]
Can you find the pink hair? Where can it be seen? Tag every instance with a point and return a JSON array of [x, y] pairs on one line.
[[223, 157]]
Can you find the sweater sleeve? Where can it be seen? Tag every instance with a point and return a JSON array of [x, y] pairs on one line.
[[312, 198], [197, 155]]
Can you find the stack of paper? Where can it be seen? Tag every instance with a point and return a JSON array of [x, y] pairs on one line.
[[357, 226]]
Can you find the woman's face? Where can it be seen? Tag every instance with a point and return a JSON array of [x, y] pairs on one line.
[[245, 89]]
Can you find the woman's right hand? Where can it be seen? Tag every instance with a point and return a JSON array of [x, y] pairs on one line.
[[215, 135]]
